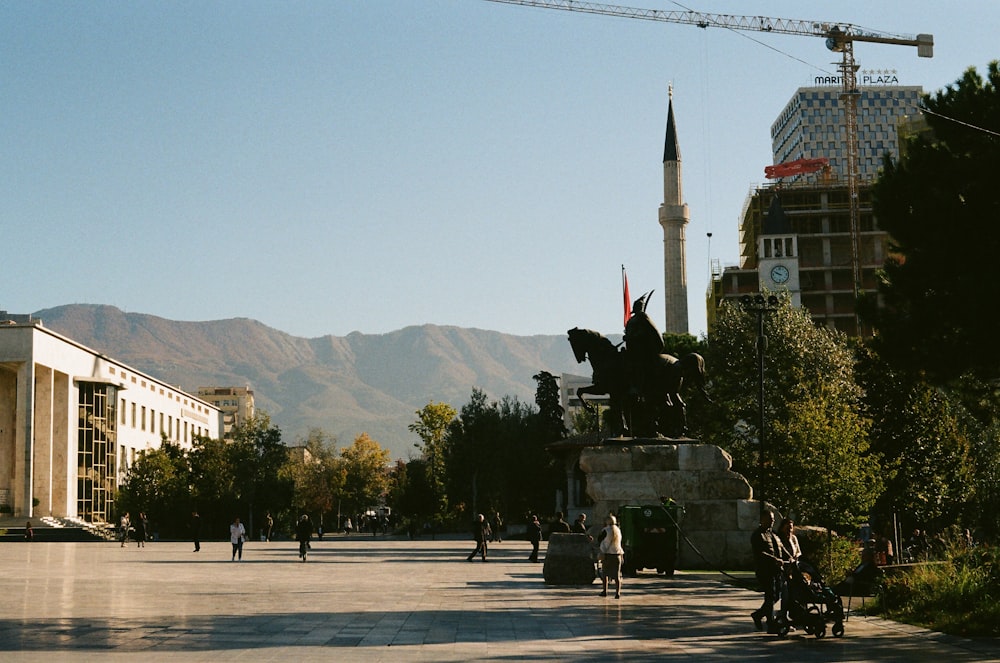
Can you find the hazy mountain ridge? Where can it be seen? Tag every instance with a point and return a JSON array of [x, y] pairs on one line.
[[370, 383]]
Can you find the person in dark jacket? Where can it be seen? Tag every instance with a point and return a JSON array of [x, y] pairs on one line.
[[303, 532], [480, 532], [196, 530], [559, 525], [534, 536], [768, 556]]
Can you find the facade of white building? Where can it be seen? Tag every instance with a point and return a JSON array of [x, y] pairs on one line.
[[72, 421]]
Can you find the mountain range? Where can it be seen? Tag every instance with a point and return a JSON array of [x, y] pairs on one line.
[[345, 386]]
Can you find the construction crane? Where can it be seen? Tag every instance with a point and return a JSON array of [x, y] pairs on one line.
[[840, 38]]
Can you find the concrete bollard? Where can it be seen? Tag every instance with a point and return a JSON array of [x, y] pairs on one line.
[[569, 560]]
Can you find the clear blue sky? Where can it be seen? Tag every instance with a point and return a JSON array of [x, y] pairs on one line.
[[366, 165]]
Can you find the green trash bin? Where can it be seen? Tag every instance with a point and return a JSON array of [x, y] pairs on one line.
[[650, 537]]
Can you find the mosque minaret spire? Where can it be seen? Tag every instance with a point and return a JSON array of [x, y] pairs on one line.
[[674, 220]]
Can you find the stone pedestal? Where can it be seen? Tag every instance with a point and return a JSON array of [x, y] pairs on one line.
[[719, 514], [569, 560]]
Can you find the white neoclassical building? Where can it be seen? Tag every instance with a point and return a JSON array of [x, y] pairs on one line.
[[73, 420]]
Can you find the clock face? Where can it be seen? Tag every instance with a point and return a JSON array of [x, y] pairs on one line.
[[779, 273]]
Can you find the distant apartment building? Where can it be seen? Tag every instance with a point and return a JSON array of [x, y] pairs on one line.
[[796, 234], [72, 422], [235, 403]]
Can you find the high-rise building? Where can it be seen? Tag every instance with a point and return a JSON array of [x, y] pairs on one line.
[[812, 126], [796, 235]]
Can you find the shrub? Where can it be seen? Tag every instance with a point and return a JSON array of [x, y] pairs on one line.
[[957, 596], [834, 556]]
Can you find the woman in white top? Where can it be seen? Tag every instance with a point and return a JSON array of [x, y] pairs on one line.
[[237, 533], [611, 554]]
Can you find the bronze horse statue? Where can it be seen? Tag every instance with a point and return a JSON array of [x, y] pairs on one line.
[[644, 401]]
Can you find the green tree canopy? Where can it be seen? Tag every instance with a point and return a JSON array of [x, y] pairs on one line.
[[317, 475], [940, 204], [157, 484], [816, 456], [426, 495], [366, 474]]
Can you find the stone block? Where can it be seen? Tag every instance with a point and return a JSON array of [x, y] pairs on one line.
[[606, 458], [738, 545], [711, 546], [711, 515], [627, 486], [748, 512], [569, 560], [676, 485], [696, 457], [720, 485], [654, 457]]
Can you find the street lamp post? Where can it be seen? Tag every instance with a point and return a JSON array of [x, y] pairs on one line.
[[760, 305]]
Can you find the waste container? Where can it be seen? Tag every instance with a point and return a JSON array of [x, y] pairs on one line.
[[650, 537]]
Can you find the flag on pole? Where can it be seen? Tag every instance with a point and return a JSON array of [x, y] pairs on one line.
[[625, 296]]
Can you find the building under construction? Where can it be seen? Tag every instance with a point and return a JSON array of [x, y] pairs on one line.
[[796, 235]]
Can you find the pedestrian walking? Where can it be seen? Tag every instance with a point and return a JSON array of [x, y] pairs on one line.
[[611, 556], [268, 526], [237, 535], [303, 532], [480, 532], [124, 525], [140, 530], [196, 530]]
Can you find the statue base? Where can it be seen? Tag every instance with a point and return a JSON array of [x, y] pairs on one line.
[[719, 512]]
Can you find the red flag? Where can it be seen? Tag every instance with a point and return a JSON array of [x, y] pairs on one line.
[[627, 299]]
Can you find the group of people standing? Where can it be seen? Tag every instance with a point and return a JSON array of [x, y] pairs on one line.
[[137, 530]]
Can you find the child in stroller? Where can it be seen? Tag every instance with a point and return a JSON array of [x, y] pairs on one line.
[[809, 603]]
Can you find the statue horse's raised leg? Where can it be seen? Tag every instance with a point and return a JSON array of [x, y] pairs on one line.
[[617, 424]]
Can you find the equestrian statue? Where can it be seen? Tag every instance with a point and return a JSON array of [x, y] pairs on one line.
[[643, 384]]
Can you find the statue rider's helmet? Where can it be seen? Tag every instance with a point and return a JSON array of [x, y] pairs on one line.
[[639, 305]]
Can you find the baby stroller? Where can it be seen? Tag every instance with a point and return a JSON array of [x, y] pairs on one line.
[[809, 603]]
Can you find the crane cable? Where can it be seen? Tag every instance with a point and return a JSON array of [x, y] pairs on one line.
[[759, 42], [924, 109]]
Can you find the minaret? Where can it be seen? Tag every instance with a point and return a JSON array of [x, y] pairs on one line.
[[673, 220]]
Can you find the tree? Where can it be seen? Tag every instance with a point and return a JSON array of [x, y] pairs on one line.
[[157, 484], [212, 483], [428, 496], [922, 435], [549, 401], [816, 455], [256, 456], [317, 475], [366, 474], [940, 203]]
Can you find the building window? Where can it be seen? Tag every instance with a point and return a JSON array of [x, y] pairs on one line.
[[133, 414], [143, 419], [96, 452]]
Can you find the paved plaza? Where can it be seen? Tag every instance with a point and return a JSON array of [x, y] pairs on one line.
[[366, 599]]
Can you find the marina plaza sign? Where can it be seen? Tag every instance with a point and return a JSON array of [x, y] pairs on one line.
[[866, 77]]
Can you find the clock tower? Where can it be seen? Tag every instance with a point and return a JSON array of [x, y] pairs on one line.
[[778, 254]]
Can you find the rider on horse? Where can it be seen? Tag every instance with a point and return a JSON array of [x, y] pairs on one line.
[[643, 345]]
